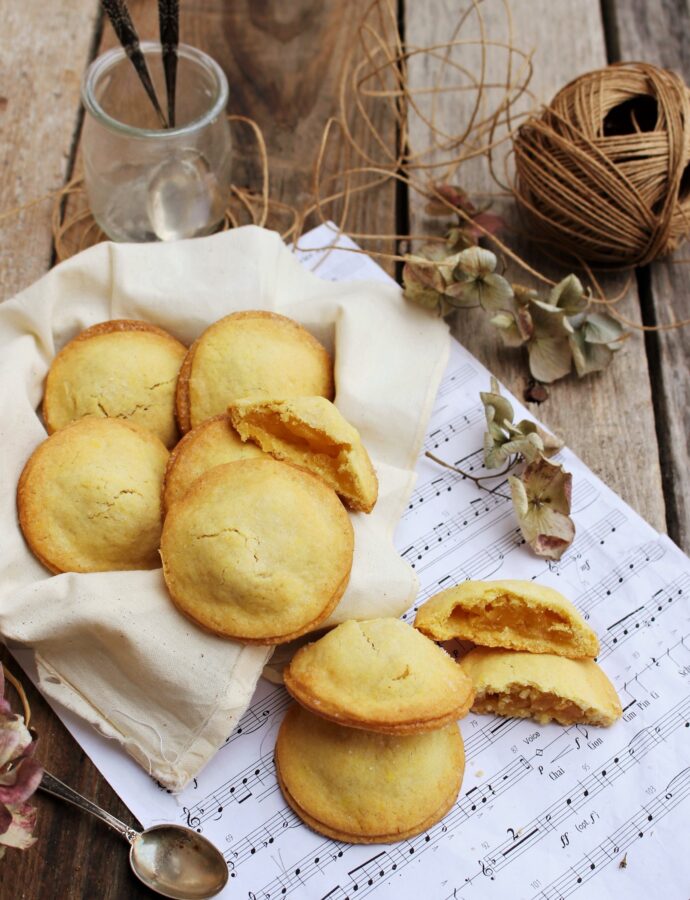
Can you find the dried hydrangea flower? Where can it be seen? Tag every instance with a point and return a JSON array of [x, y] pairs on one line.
[[541, 498], [476, 282], [20, 775]]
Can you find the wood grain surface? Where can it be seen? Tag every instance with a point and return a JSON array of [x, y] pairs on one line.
[[656, 31], [283, 63], [607, 412]]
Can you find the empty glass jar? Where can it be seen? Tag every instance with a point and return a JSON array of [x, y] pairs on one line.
[[144, 182]]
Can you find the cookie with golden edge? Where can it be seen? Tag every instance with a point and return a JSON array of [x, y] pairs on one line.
[[541, 686], [380, 675], [257, 550], [89, 498], [517, 615], [311, 432], [250, 354], [363, 787], [122, 369], [210, 444]]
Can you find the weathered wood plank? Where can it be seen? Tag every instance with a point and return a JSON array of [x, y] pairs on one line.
[[605, 416], [656, 32], [44, 49], [283, 64]]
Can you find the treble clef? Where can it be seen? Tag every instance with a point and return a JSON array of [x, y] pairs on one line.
[[486, 870], [192, 821]]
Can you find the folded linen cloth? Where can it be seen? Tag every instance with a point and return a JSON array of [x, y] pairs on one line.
[[111, 646]]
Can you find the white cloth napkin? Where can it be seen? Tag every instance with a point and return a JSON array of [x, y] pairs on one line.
[[111, 646]]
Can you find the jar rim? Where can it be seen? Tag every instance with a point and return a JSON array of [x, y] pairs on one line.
[[106, 61]]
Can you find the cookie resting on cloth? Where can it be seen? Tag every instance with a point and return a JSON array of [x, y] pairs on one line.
[[250, 354], [379, 675], [210, 444], [312, 433], [517, 615], [541, 686], [124, 369], [89, 498], [257, 550], [363, 787]]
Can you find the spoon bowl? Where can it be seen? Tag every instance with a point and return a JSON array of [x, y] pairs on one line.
[[172, 860], [177, 862]]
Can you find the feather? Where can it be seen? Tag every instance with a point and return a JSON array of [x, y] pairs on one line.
[[169, 24], [126, 33]]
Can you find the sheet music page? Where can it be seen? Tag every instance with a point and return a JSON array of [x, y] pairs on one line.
[[544, 811]]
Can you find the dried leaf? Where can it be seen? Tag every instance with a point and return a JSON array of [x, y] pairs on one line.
[[589, 357], [569, 296], [477, 283], [541, 498], [600, 328], [550, 356]]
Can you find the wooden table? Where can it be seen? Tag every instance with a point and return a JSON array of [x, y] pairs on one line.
[[283, 60]]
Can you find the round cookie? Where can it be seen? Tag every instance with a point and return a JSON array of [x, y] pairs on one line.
[[250, 354], [380, 675], [257, 550], [210, 444], [122, 369], [89, 497], [363, 787]]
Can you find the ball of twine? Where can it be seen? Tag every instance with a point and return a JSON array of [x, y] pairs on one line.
[[604, 170]]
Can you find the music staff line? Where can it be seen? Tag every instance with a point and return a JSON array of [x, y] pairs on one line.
[[238, 789], [644, 616], [260, 714], [610, 849], [456, 379], [454, 427], [640, 745], [477, 517], [368, 875], [636, 562]]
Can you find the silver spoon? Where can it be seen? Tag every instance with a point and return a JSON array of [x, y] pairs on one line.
[[170, 859]]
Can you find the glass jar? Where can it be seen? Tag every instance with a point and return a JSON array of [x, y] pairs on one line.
[[145, 182]]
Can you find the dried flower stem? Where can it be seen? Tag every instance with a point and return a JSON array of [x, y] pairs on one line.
[[17, 685], [477, 478]]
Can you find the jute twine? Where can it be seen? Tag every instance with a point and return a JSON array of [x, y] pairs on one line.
[[603, 170]]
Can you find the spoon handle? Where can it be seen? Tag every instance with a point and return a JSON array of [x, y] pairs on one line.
[[52, 785]]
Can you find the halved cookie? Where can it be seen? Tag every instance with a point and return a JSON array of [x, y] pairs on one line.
[[379, 675], [210, 444], [257, 550], [311, 432], [541, 686], [517, 615], [250, 354], [89, 498], [123, 369], [367, 788]]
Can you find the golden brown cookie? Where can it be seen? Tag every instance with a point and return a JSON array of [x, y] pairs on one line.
[[312, 433], [89, 498], [210, 444], [257, 550], [517, 615], [363, 787], [250, 354], [122, 369], [379, 675], [541, 686]]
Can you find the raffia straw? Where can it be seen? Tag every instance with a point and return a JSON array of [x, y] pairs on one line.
[[378, 57], [21, 693]]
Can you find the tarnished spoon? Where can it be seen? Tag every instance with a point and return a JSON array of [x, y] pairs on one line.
[[170, 859]]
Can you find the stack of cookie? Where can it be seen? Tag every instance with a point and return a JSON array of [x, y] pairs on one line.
[[536, 653], [244, 511], [372, 752]]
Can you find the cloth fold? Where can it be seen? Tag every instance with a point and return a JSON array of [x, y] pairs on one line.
[[111, 646]]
